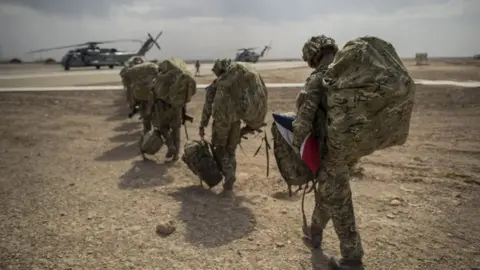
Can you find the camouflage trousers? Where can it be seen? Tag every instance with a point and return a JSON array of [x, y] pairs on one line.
[[168, 121], [146, 116], [129, 96], [334, 201], [172, 139], [225, 139]]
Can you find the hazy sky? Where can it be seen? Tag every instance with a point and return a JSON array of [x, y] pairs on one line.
[[215, 28]]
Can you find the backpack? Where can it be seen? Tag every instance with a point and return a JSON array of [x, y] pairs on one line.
[[127, 84], [370, 99], [151, 142], [292, 168], [175, 84], [241, 95], [199, 157], [142, 78]]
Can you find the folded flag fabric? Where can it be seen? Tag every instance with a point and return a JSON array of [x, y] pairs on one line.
[[309, 151]]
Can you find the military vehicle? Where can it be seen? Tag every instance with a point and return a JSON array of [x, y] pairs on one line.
[[249, 55], [90, 55]]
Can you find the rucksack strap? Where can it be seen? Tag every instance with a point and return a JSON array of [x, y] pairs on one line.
[[267, 149]]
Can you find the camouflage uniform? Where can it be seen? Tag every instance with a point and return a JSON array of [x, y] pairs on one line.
[[168, 121], [142, 78], [334, 198], [207, 106], [127, 80], [219, 67], [197, 68], [225, 136]]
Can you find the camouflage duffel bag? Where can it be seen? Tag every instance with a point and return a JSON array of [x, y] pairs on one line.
[[370, 99], [151, 142], [292, 168], [199, 158]]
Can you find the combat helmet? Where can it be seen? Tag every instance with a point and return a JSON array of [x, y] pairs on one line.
[[135, 61], [220, 66], [312, 50]]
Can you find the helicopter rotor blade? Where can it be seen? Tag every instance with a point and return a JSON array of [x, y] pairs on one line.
[[154, 40], [57, 48], [247, 49], [115, 41], [268, 47], [159, 34], [85, 44]]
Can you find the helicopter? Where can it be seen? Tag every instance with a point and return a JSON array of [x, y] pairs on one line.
[[249, 55], [89, 54]]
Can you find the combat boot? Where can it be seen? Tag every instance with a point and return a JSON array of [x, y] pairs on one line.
[[146, 129], [171, 152], [345, 264], [313, 236], [176, 155], [228, 186]]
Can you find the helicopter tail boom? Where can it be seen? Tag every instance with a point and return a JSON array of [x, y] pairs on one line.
[[266, 49]]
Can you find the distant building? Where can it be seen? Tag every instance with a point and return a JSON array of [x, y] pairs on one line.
[[421, 58]]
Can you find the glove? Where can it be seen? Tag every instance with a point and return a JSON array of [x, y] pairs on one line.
[[245, 130]]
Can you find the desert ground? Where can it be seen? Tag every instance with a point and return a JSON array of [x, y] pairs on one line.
[[75, 194]]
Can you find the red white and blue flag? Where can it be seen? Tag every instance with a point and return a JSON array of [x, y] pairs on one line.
[[309, 151]]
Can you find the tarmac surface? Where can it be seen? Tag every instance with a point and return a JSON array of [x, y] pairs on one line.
[[41, 77]]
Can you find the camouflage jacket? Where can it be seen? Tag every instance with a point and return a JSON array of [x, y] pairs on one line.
[[311, 111], [210, 92], [126, 81]]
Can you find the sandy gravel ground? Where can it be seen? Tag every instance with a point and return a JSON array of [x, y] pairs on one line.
[[74, 194]]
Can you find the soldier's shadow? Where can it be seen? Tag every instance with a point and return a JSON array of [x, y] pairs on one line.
[[127, 137], [211, 219], [123, 151], [121, 110], [128, 126], [145, 174], [285, 196], [121, 113]]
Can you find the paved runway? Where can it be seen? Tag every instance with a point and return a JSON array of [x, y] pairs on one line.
[[203, 86], [41, 71], [39, 75]]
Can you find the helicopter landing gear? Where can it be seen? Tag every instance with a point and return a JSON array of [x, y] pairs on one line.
[[66, 64]]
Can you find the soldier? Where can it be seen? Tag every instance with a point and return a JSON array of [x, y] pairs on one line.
[[224, 151], [169, 120], [197, 68], [334, 198], [169, 111], [142, 76], [127, 81], [219, 67]]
